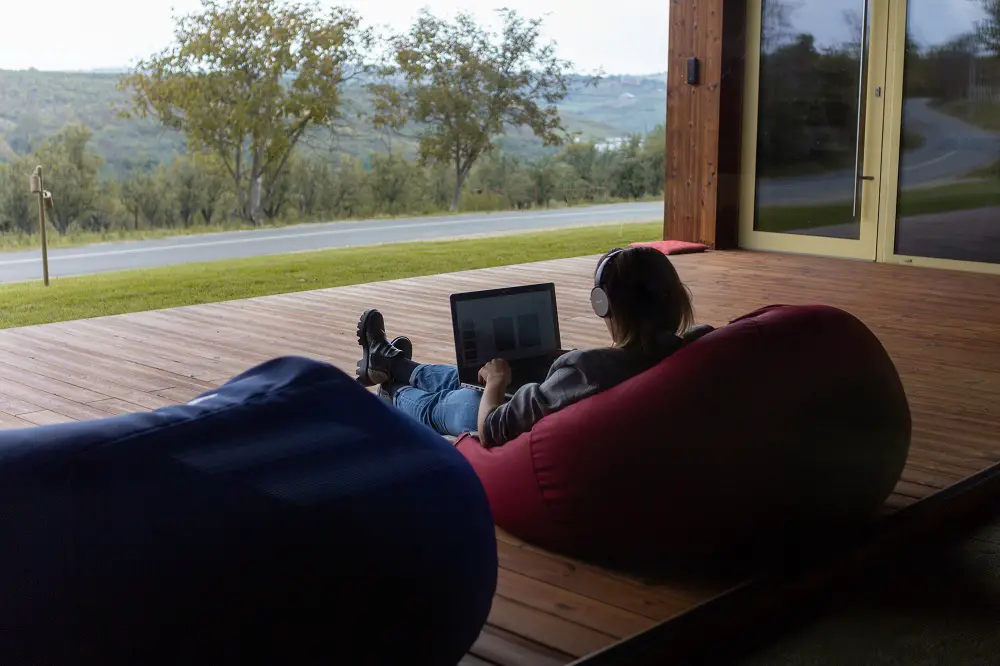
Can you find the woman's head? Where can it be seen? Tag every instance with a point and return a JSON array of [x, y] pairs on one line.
[[646, 298]]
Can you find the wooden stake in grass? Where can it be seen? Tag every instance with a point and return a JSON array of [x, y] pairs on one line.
[[36, 188]]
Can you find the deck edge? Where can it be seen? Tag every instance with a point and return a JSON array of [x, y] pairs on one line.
[[753, 614]]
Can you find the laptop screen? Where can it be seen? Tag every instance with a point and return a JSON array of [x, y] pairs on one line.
[[514, 323]]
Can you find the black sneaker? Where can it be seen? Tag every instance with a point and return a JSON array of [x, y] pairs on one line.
[[376, 351], [404, 345]]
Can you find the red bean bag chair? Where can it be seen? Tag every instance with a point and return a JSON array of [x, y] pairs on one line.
[[788, 418]]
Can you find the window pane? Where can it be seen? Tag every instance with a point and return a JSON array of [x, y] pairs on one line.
[[808, 110], [948, 202]]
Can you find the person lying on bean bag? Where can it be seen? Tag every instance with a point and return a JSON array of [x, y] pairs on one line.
[[637, 292]]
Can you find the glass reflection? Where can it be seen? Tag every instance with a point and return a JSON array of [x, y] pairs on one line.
[[948, 202], [808, 110]]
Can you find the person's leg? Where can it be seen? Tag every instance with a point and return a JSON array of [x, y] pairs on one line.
[[435, 378], [404, 345], [449, 412], [430, 393], [457, 412]]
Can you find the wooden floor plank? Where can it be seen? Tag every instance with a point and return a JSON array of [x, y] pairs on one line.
[[505, 649], [591, 582], [548, 630], [117, 407], [577, 608], [942, 329], [45, 417], [11, 421], [17, 391], [42, 382]]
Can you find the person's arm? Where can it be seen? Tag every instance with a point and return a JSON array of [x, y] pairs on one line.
[[495, 376], [493, 397], [566, 383]]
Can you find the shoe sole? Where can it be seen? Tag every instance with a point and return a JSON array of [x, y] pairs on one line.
[[362, 370]]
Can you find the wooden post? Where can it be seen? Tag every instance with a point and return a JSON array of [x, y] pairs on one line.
[[37, 188], [704, 121]]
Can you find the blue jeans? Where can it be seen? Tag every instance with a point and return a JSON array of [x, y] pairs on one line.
[[435, 397]]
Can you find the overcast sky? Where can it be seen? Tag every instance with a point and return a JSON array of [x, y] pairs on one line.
[[624, 36], [620, 36], [930, 21]]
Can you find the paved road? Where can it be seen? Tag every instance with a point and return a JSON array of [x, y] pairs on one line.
[[20, 266], [951, 149]]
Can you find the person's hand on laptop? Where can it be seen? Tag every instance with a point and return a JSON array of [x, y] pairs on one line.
[[495, 376], [496, 373]]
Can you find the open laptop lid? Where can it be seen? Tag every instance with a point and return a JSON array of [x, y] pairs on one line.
[[513, 323]]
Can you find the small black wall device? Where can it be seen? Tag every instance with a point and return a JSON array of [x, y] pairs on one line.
[[693, 67]]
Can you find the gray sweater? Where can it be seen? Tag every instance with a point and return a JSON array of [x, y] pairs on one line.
[[572, 377]]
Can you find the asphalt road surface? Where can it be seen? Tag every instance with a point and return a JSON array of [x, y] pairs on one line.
[[20, 266], [951, 149]]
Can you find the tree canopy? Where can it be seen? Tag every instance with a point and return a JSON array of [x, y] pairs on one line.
[[989, 28], [463, 84], [245, 79]]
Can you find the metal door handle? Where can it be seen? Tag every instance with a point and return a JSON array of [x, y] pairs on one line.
[[861, 99]]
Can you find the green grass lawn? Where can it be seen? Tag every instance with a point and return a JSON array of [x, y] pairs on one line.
[[990, 171], [29, 303], [912, 140], [982, 114]]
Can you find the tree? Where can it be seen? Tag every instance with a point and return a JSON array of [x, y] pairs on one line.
[[462, 85], [69, 169], [311, 179], [279, 191], [212, 182], [16, 210], [351, 197], [395, 182], [989, 28], [653, 153], [102, 216], [245, 80], [184, 181], [142, 197]]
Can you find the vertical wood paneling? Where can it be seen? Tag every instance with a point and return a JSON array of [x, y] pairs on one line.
[[703, 123]]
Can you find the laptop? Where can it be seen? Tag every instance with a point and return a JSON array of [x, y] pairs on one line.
[[517, 324]]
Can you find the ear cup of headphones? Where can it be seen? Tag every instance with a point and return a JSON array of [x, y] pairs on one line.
[[599, 301], [598, 297]]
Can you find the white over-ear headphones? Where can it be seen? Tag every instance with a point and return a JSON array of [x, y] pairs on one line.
[[598, 297]]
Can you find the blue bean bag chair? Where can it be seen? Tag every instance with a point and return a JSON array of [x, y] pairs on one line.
[[288, 517]]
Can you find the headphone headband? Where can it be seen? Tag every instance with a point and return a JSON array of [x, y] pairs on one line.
[[599, 273]]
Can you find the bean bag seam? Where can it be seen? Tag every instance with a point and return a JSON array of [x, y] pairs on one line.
[[253, 399], [534, 475]]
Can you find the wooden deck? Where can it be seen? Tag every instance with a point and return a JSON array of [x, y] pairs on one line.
[[941, 328]]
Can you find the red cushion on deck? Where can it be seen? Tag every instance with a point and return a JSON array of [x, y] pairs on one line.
[[673, 246], [786, 418]]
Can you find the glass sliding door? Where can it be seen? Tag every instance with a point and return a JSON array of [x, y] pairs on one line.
[[942, 182], [813, 120]]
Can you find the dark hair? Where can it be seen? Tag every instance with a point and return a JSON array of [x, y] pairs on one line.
[[647, 298]]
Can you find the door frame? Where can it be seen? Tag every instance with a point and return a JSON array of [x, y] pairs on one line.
[[867, 246], [891, 149]]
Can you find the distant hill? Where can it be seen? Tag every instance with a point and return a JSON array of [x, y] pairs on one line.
[[34, 105]]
